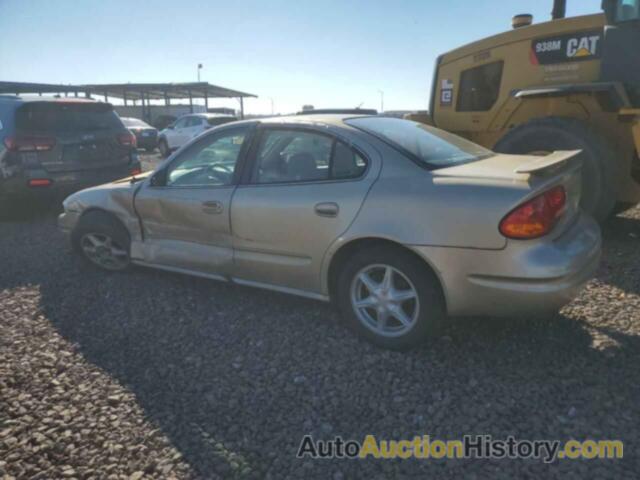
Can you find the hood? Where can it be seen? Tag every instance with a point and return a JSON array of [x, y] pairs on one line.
[[114, 196], [133, 178]]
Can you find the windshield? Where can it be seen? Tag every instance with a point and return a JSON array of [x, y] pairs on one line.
[[133, 122], [66, 117], [430, 146]]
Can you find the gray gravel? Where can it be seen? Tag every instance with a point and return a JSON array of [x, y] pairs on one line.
[[156, 375]]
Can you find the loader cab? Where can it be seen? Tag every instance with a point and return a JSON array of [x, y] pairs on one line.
[[621, 57], [473, 84], [568, 83]]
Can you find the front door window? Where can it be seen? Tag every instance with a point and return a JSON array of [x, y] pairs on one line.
[[210, 162]]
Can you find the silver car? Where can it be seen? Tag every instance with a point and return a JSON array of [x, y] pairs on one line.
[[400, 224]]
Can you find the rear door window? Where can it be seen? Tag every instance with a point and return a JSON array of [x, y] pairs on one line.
[[60, 117], [286, 156]]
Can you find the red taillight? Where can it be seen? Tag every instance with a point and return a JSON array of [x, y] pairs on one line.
[[136, 171], [40, 182], [127, 139], [536, 217], [29, 143]]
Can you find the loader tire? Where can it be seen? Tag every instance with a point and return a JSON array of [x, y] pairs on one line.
[[598, 158]]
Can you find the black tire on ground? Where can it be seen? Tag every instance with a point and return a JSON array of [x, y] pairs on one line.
[[163, 146], [599, 159], [101, 223], [432, 310], [150, 149]]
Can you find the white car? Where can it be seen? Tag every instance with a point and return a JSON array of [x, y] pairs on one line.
[[187, 127]]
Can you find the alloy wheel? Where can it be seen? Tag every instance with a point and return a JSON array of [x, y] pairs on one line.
[[385, 300], [104, 251]]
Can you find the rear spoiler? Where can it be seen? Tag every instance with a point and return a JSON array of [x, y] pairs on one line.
[[550, 162]]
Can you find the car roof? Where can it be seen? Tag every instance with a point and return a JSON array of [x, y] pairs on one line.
[[38, 98], [315, 119], [209, 115]]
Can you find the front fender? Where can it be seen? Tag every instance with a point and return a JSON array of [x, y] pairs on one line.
[[114, 198]]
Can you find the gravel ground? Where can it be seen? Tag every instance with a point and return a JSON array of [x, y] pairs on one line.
[[157, 375]]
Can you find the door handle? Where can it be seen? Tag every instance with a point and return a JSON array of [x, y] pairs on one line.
[[212, 206], [327, 209]]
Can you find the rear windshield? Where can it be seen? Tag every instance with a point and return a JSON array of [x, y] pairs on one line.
[[219, 120], [134, 122], [429, 146], [66, 117]]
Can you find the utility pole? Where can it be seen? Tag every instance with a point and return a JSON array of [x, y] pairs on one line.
[[272, 109], [381, 101], [199, 68]]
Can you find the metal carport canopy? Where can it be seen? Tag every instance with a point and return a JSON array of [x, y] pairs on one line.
[[162, 91], [134, 91]]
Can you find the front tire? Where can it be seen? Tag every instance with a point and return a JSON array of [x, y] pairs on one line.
[[390, 298], [598, 158], [103, 241], [163, 146]]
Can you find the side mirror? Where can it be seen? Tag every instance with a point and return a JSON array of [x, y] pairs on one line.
[[159, 179]]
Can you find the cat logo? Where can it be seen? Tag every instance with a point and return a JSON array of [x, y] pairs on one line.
[[566, 48], [583, 46]]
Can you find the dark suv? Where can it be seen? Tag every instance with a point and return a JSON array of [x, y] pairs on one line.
[[51, 147]]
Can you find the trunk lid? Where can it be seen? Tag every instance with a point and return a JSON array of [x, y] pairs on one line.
[[528, 175], [86, 134]]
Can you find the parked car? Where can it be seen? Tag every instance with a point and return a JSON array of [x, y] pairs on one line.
[[399, 223], [52, 147], [188, 127], [146, 135], [163, 121]]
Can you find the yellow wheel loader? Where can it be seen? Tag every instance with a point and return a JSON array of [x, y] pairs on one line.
[[565, 84]]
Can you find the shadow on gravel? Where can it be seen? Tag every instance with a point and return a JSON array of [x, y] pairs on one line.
[[621, 262], [30, 213], [236, 376]]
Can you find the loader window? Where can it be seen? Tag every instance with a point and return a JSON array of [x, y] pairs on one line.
[[479, 88], [627, 10]]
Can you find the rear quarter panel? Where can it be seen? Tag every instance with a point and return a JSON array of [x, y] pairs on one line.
[[413, 206]]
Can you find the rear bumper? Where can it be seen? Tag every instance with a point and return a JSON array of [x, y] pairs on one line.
[[147, 142], [525, 278], [17, 189]]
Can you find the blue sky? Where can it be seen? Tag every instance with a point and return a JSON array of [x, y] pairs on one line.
[[328, 53]]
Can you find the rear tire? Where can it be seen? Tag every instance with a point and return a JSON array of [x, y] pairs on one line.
[[388, 314], [150, 149], [599, 159], [102, 241]]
